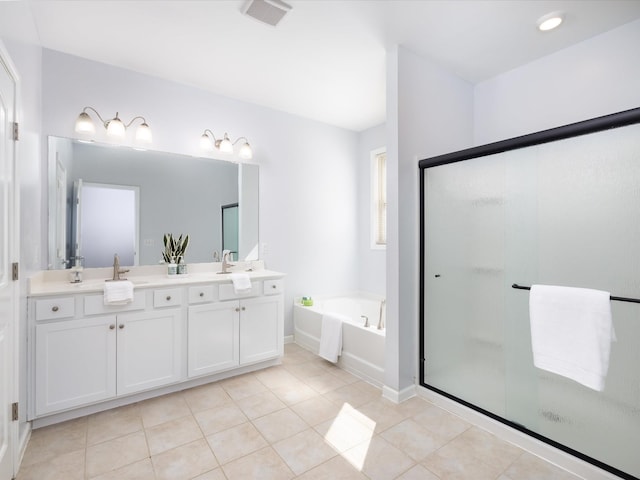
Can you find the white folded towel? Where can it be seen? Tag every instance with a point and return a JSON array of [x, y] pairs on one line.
[[241, 282], [118, 292], [331, 336], [571, 332]]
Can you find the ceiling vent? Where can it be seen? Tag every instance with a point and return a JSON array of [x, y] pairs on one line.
[[267, 11]]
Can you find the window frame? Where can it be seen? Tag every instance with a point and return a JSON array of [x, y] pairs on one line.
[[378, 199]]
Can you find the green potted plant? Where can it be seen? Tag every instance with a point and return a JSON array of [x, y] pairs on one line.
[[174, 249]]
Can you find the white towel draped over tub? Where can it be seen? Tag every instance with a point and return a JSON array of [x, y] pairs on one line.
[[571, 332], [118, 292], [331, 336]]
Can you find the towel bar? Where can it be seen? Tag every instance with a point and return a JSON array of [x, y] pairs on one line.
[[618, 299]]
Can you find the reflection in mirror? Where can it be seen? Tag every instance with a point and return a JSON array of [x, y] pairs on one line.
[[176, 194], [106, 221], [230, 228]]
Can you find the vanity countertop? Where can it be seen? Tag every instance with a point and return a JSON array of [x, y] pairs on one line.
[[56, 282]]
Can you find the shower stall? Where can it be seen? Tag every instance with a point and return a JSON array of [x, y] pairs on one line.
[[559, 207]]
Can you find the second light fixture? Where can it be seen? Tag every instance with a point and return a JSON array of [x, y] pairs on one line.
[[208, 141]]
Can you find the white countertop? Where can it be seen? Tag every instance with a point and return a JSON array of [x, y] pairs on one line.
[[56, 282]]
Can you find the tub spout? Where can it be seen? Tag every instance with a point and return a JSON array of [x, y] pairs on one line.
[[366, 321], [380, 319]]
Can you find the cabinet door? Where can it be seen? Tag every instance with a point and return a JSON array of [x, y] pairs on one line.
[[213, 338], [261, 328], [149, 349], [75, 363]]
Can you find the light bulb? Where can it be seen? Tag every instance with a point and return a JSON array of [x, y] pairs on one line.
[[225, 145], [115, 127], [549, 21], [245, 151], [143, 134], [84, 124], [206, 143]]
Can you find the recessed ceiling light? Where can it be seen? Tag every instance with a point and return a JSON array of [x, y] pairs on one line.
[[549, 21]]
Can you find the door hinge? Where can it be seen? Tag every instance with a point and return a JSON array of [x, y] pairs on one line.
[[15, 269], [16, 131], [14, 411]]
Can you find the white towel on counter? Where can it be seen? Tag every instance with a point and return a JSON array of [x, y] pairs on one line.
[[571, 332], [241, 282], [331, 336], [118, 292]]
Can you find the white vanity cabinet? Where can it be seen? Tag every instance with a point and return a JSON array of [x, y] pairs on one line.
[[227, 334], [213, 332], [261, 332], [86, 356], [75, 363], [149, 349], [96, 358]]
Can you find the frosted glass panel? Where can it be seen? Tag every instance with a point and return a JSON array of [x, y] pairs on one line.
[[560, 213]]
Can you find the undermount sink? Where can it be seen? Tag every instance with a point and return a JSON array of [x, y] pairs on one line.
[[97, 284]]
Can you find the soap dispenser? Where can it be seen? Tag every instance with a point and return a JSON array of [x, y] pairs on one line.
[[172, 269]]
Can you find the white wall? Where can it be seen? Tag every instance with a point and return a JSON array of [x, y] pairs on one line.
[[371, 262], [429, 111], [308, 206], [596, 77]]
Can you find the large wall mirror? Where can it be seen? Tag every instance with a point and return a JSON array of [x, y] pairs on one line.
[[173, 194]]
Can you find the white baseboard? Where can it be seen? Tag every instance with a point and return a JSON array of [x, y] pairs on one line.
[[398, 396], [288, 339]]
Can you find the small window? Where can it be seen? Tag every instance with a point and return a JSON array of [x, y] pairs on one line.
[[379, 198]]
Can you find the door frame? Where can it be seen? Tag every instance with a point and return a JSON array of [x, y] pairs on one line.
[[13, 256]]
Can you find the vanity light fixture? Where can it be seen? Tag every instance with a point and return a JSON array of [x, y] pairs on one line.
[[115, 127], [549, 21], [208, 141]]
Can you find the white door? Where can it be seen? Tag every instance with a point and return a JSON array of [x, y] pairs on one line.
[[149, 349], [213, 331], [61, 259], [62, 380], [107, 220], [261, 336], [8, 254]]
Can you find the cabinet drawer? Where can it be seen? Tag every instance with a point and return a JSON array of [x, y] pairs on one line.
[[202, 293], [50, 308], [227, 292], [273, 287], [94, 304], [167, 297]]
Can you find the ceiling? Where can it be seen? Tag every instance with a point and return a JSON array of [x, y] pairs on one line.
[[326, 58]]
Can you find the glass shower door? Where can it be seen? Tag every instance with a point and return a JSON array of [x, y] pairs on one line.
[[562, 213]]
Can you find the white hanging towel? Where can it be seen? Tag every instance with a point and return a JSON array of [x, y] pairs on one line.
[[331, 336], [241, 282], [571, 332], [118, 292]]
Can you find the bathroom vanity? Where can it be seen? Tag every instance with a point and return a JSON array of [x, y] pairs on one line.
[[179, 331]]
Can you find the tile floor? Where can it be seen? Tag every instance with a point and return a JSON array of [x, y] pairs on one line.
[[305, 419]]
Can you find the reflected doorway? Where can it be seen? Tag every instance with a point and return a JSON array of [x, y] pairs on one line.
[[106, 223], [230, 228]]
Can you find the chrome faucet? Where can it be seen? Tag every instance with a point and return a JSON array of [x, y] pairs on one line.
[[117, 270], [366, 321], [225, 261], [380, 320]]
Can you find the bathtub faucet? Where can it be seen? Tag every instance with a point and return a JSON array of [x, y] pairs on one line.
[[366, 321], [380, 320]]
